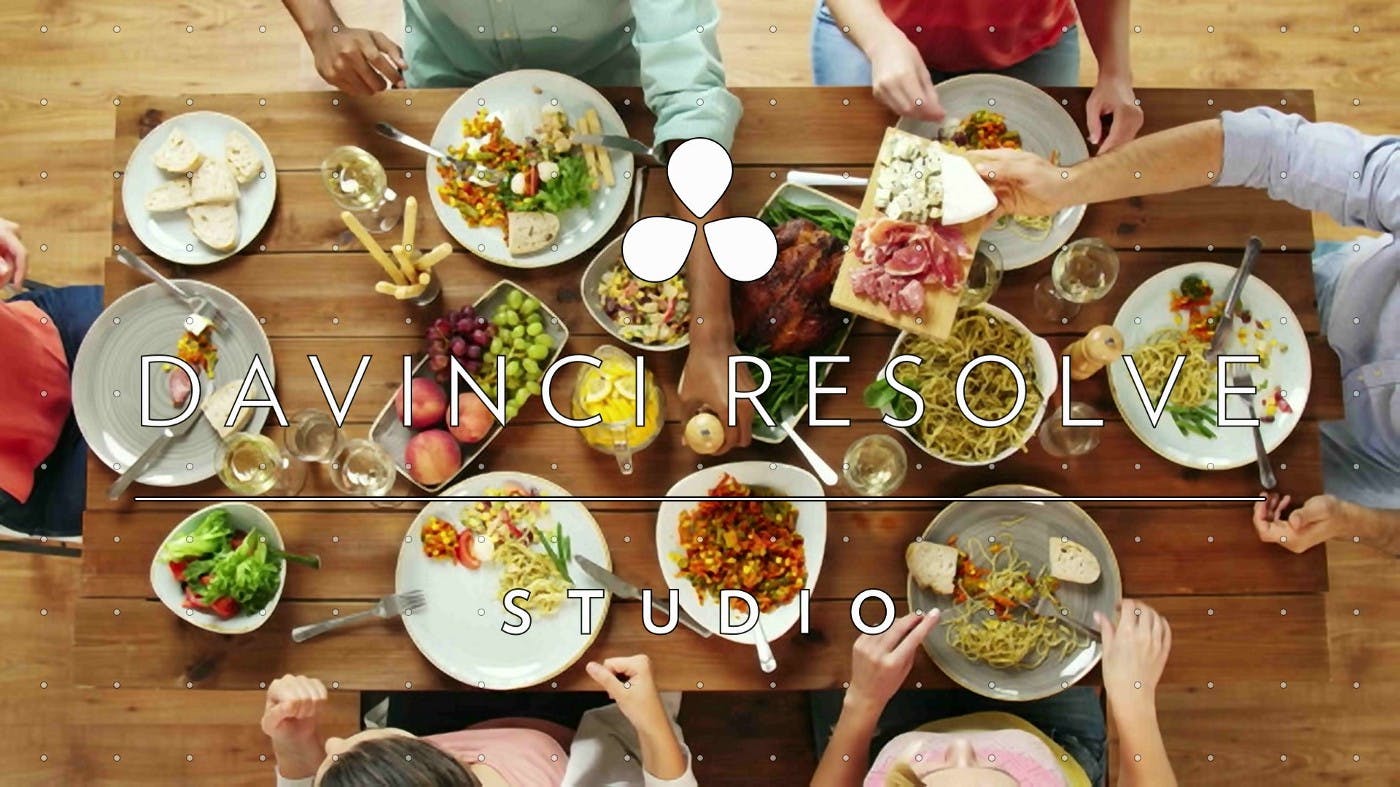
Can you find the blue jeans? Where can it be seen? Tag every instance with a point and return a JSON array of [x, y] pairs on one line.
[[836, 60], [1073, 719], [55, 507]]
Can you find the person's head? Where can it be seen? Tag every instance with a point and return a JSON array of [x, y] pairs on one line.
[[960, 768], [390, 758]]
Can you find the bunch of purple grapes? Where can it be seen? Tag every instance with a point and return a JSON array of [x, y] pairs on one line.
[[464, 335]]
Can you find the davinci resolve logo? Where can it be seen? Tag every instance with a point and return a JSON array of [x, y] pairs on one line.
[[655, 248]]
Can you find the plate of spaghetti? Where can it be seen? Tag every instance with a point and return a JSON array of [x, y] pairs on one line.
[[988, 111], [489, 535], [985, 640], [714, 537], [1173, 316]]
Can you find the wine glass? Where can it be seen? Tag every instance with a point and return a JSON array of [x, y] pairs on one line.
[[874, 465], [1060, 440], [251, 464], [362, 468], [312, 436], [1083, 272], [983, 276], [357, 182]]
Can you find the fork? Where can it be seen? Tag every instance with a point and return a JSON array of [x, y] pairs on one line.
[[1239, 378], [1047, 609], [388, 607], [199, 306], [476, 170]]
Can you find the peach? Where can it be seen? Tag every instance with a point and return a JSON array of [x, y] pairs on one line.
[[429, 403], [433, 457], [474, 421]]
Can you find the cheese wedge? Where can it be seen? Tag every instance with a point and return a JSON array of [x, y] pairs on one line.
[[216, 226], [178, 155], [965, 195], [170, 196]]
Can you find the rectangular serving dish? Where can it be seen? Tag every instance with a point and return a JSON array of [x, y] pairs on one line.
[[807, 196], [390, 433]]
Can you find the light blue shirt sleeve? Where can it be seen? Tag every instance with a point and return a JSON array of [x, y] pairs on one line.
[[1326, 167], [682, 74]]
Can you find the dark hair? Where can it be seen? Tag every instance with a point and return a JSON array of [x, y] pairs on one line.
[[397, 762]]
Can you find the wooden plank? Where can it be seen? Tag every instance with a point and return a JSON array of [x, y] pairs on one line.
[[1121, 466], [329, 295], [139, 644], [1214, 551]]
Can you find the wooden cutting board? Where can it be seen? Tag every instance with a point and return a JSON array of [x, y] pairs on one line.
[[940, 306]]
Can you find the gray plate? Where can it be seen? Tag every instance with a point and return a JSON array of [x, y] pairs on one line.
[[389, 432], [1044, 125], [975, 520], [107, 379]]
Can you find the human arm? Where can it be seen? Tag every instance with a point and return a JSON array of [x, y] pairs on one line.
[[1135, 650], [879, 665], [682, 73], [1323, 517], [289, 719], [628, 681], [899, 77], [359, 62], [13, 253], [1105, 24]]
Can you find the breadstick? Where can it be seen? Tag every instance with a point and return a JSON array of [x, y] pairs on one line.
[[410, 222], [587, 150], [405, 261], [402, 291], [604, 159], [358, 230], [438, 254]]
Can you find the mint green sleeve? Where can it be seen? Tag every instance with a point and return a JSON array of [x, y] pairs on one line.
[[682, 73]]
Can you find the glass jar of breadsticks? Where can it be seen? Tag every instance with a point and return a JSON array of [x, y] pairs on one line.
[[410, 271]]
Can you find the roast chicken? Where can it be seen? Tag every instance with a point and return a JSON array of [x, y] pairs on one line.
[[788, 311]]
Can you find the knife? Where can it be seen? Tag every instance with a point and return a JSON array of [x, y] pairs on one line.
[[621, 588], [617, 142], [1232, 299], [156, 448]]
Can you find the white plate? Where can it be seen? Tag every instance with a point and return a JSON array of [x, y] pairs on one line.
[[811, 524], [518, 96], [1146, 311], [107, 379], [1046, 381], [169, 234], [459, 630], [242, 516], [1045, 127]]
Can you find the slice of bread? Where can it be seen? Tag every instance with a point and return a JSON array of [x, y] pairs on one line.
[[219, 404], [214, 184], [169, 196], [178, 155], [242, 157], [528, 233], [216, 226], [932, 565], [1071, 561]]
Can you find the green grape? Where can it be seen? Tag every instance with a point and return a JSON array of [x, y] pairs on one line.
[[544, 340], [534, 318], [512, 318], [512, 369], [530, 306], [515, 298], [533, 386], [497, 344], [519, 346], [518, 332], [534, 329], [537, 351], [499, 318], [511, 409], [530, 366], [521, 396]]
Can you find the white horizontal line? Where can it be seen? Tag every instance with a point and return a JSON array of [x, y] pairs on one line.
[[693, 499]]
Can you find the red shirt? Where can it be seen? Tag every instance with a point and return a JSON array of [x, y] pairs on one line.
[[980, 35], [34, 395]]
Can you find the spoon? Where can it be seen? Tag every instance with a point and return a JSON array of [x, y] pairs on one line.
[[766, 660]]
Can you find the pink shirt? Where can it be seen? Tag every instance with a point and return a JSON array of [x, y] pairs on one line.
[[523, 757], [977, 35], [34, 402]]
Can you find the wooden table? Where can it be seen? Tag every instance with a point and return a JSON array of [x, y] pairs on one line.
[[1225, 593]]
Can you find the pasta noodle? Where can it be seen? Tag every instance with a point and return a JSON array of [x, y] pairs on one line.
[[990, 388], [1032, 228], [523, 567], [1195, 383], [989, 626]]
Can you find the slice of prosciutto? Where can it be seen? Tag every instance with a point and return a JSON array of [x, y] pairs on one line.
[[902, 259]]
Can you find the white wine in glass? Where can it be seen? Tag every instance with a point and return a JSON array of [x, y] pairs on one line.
[[363, 469], [875, 465], [983, 276], [357, 182], [252, 464], [1083, 272], [312, 436]]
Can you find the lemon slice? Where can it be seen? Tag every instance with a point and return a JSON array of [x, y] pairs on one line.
[[626, 387], [596, 389]]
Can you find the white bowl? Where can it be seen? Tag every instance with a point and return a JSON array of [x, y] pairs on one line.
[[588, 288], [1046, 381], [242, 516], [811, 524]]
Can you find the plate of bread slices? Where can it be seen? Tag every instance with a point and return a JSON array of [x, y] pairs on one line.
[[1016, 574], [199, 187]]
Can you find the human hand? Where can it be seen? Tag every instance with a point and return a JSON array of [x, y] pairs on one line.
[[1321, 517], [293, 701], [1134, 651], [900, 78], [705, 383], [634, 692], [357, 61], [1025, 184], [1112, 96], [881, 662], [14, 258]]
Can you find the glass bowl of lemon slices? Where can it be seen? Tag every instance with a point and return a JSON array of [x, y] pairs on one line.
[[612, 394]]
